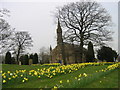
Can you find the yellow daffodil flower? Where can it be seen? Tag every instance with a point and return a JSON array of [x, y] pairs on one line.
[[4, 81], [61, 81], [68, 81]]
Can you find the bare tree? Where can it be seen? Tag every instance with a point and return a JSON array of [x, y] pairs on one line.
[[44, 55], [21, 41], [5, 30], [84, 22], [4, 12]]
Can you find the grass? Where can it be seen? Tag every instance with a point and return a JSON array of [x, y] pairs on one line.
[[108, 81], [46, 82], [93, 80], [13, 67]]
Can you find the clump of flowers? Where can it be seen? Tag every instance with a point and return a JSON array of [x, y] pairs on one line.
[[52, 71]]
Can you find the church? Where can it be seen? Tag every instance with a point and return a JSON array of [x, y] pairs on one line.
[[65, 52]]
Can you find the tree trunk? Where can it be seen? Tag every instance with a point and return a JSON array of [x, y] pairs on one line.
[[81, 52], [18, 54], [81, 48]]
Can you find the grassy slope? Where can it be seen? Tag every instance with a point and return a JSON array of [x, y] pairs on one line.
[[107, 81], [13, 67], [41, 83]]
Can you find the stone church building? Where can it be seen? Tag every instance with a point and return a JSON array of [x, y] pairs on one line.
[[69, 52]]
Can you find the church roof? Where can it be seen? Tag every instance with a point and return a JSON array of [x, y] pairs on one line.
[[69, 47]]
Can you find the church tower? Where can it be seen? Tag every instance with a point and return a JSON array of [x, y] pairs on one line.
[[60, 43], [59, 34]]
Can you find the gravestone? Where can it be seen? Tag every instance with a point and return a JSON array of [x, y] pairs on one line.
[[19, 62], [30, 61]]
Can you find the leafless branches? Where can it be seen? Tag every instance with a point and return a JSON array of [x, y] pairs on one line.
[[84, 22]]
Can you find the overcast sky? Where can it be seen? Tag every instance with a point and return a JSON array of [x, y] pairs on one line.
[[36, 17]]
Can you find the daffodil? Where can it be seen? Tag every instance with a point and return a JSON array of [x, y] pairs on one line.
[[23, 80], [1, 71], [61, 81], [80, 75], [26, 79], [4, 81], [29, 73], [85, 74], [75, 77], [35, 73], [68, 81], [9, 78], [38, 76], [13, 76], [55, 87], [4, 76], [8, 71]]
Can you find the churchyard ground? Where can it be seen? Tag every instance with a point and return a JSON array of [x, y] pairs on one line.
[[83, 75]]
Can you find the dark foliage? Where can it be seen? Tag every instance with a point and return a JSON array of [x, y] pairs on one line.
[[13, 60], [35, 58], [106, 53], [90, 53], [8, 58], [22, 60], [31, 56], [26, 59]]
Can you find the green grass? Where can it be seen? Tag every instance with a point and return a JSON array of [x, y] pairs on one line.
[[46, 82], [92, 81], [108, 81], [13, 67], [86, 82]]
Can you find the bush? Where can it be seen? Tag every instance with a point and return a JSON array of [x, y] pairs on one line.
[[35, 58], [90, 53], [26, 59], [107, 54], [12, 60], [8, 58]]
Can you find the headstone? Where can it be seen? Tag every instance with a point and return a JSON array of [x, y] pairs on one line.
[[19, 62], [30, 62]]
